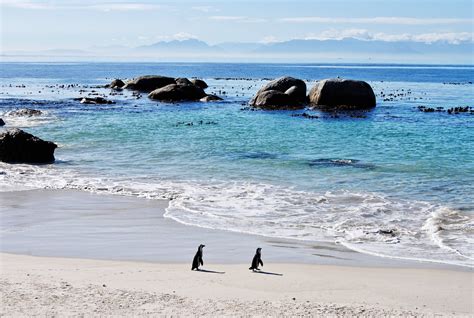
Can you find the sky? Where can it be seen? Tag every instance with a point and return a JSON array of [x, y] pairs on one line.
[[81, 24]]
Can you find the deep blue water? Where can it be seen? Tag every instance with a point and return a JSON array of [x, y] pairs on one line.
[[368, 72], [337, 178]]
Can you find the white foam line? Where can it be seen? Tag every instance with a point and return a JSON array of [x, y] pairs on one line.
[[167, 215], [427, 260], [431, 227]]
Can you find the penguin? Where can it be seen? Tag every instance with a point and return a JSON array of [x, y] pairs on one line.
[[197, 261], [257, 259]]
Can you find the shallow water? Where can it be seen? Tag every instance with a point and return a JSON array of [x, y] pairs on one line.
[[394, 182]]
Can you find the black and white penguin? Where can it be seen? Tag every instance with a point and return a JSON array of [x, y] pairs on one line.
[[197, 261], [257, 260]]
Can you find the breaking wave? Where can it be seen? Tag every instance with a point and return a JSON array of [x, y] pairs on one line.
[[365, 222]]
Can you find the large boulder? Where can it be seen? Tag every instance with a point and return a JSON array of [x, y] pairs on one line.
[[183, 81], [149, 83], [17, 146], [281, 93], [116, 84], [175, 92], [2, 123], [339, 93], [200, 83], [275, 100]]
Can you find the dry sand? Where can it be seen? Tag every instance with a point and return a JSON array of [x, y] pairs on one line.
[[42, 286]]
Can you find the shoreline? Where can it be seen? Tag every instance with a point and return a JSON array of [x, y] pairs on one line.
[[99, 255], [60, 286], [79, 224]]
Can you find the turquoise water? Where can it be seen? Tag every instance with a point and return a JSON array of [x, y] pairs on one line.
[[346, 178]]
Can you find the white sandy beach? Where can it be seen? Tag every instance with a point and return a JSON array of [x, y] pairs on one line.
[[138, 263], [40, 286]]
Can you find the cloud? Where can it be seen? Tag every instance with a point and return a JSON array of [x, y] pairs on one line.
[[122, 7], [364, 34], [378, 20], [180, 36], [231, 18], [269, 39], [226, 18], [84, 5], [25, 4], [183, 36], [205, 9], [449, 37], [336, 34]]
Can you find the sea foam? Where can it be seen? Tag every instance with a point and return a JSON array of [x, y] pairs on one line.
[[365, 222]]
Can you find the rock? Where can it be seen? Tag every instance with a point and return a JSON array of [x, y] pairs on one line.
[[116, 83], [95, 100], [342, 94], [287, 93], [389, 232], [17, 146], [149, 83], [2, 123], [199, 83], [183, 81], [273, 100], [294, 92], [210, 98], [175, 92], [25, 112], [283, 84]]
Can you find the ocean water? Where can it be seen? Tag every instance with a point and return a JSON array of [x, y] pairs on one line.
[[394, 182]]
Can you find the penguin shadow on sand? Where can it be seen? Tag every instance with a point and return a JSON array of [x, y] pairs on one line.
[[256, 261], [197, 261]]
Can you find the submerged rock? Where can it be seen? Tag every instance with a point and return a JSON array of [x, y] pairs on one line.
[[340, 162], [210, 98], [281, 93], [17, 146], [176, 92], [339, 93], [25, 112], [95, 100], [391, 232], [149, 83]]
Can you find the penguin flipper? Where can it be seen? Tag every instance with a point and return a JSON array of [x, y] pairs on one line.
[[260, 261]]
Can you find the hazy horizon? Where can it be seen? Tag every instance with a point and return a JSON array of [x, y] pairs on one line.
[[430, 32]]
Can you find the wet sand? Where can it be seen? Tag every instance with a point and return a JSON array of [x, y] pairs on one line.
[[70, 223]]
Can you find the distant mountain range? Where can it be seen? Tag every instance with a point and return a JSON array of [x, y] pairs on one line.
[[347, 50], [191, 45]]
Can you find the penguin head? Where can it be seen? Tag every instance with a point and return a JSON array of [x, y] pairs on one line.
[[259, 250], [201, 246]]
